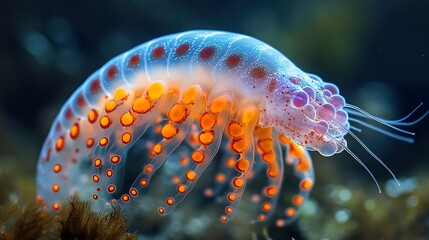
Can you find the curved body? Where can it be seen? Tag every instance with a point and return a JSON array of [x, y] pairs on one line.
[[187, 99]]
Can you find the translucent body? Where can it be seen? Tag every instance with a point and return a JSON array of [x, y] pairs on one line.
[[175, 98]]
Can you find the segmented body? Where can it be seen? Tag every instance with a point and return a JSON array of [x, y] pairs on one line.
[[191, 99]]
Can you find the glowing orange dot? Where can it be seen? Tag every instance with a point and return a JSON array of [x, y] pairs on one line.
[[266, 206], [127, 119], [266, 145], [111, 188], [95, 178], [231, 197], [175, 180], [74, 131], [143, 182], [157, 148], [184, 161], [59, 145], [109, 172], [262, 217], [297, 200], [181, 188], [94, 196], [55, 187], [57, 168], [168, 131], [115, 159], [218, 104], [141, 105], [242, 165], [239, 145], [220, 178], [280, 223], [235, 129], [120, 94], [110, 106], [271, 191], [161, 210], [197, 156], [126, 137], [56, 206], [92, 116], [230, 163], [103, 141], [125, 198], [170, 201], [155, 91], [223, 218], [190, 175], [177, 113], [207, 121], [98, 162], [206, 137], [105, 121], [133, 192], [89, 142], [229, 210], [306, 184], [290, 211], [208, 192], [148, 169], [238, 182]]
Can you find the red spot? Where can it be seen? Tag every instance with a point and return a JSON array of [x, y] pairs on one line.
[[69, 114], [272, 85], [81, 102], [58, 127], [95, 86], [48, 154], [258, 72], [134, 60], [294, 80], [232, 60], [207, 52], [73, 160], [158, 52], [111, 72], [182, 49]]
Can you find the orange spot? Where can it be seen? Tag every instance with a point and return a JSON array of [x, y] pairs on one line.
[[266, 206], [184, 161], [120, 94], [239, 145], [115, 159], [220, 178], [111, 188], [110, 106], [143, 182], [89, 142], [92, 116], [190, 175], [127, 119], [306, 184], [109, 172], [280, 223], [223, 218], [55, 187], [155, 91], [290, 211], [269, 157], [98, 162], [157, 148], [297, 200], [95, 178], [74, 131], [170, 201], [126, 137], [235, 129], [207, 121], [208, 192], [266, 145], [141, 105], [230, 163], [229, 210], [103, 141], [148, 169], [133, 192], [238, 182], [56, 206], [303, 164], [175, 180], [95, 196], [169, 130], [242, 165], [206, 137], [190, 95], [161, 210], [262, 217], [125, 198], [231, 197], [181, 188], [178, 113], [57, 168], [271, 191], [218, 104], [197, 156], [59, 145], [105, 121]]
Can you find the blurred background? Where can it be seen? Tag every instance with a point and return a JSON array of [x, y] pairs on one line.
[[375, 51]]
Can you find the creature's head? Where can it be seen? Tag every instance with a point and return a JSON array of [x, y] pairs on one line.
[[308, 111]]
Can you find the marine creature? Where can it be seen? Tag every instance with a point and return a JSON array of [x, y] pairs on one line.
[[190, 99]]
